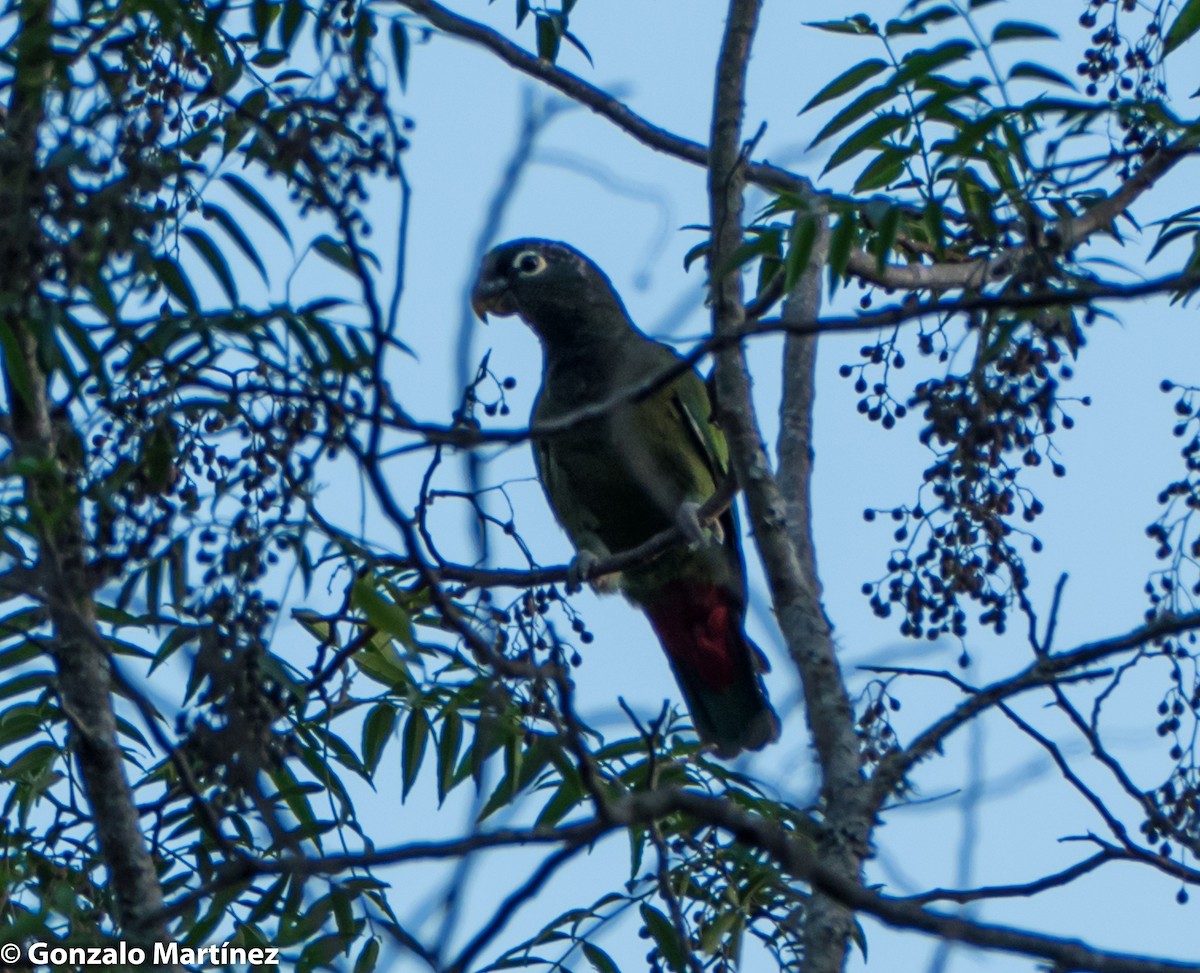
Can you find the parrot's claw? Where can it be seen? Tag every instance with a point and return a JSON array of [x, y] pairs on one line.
[[687, 519], [580, 570]]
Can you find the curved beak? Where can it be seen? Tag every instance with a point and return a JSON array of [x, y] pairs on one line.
[[491, 295]]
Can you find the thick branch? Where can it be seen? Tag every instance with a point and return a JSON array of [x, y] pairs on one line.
[[85, 683], [793, 583]]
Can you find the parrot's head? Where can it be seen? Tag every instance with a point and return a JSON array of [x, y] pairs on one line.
[[553, 287]]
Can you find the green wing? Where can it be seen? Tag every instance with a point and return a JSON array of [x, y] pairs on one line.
[[693, 404]]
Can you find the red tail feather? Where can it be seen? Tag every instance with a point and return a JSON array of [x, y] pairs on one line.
[[698, 624]]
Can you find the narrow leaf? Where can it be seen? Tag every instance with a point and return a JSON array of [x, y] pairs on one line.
[[400, 51], [254, 199], [1039, 72], [800, 246], [202, 243], [1185, 25], [1019, 30], [416, 735], [665, 937], [859, 24], [600, 960], [377, 730], [867, 102], [845, 82], [220, 215], [549, 34]]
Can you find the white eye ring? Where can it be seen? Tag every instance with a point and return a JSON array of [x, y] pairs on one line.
[[529, 263]]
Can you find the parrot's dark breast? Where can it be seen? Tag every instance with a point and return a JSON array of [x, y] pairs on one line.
[[607, 482]]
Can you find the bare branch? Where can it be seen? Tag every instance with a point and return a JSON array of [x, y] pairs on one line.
[[1024, 890], [1046, 670]]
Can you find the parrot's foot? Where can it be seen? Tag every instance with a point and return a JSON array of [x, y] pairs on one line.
[[687, 519], [583, 567], [580, 569]]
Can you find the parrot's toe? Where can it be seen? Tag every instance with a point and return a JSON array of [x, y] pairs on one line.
[[687, 519], [580, 569]]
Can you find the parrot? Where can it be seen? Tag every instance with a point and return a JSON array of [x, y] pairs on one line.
[[647, 463]]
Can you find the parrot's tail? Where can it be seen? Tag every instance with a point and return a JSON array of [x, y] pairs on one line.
[[717, 666]]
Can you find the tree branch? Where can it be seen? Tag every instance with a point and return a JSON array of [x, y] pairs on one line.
[[85, 679], [1045, 670], [598, 100]]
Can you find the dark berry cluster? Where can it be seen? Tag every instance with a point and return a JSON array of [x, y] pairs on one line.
[[983, 427], [1176, 531], [1173, 810], [1177, 803], [876, 736], [1125, 70], [1124, 65], [877, 403], [487, 391]]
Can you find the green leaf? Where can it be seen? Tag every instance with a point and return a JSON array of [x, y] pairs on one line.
[[713, 933], [176, 639], [870, 136], [368, 957], [841, 239], [263, 14], [867, 102], [381, 662], [846, 82], [336, 253], [383, 614], [176, 282], [254, 199], [800, 246], [859, 24], [917, 24], [377, 730], [1184, 26], [20, 622], [665, 937], [220, 215], [449, 741], [269, 58], [1019, 30], [887, 167], [927, 60], [1039, 72], [203, 245], [549, 35], [694, 254], [601, 962], [569, 794], [576, 43], [400, 49], [886, 236], [15, 365], [293, 15], [416, 735]]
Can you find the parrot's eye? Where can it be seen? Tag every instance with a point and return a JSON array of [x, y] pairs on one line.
[[529, 263]]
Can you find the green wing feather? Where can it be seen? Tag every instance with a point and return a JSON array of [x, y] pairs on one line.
[[695, 408]]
